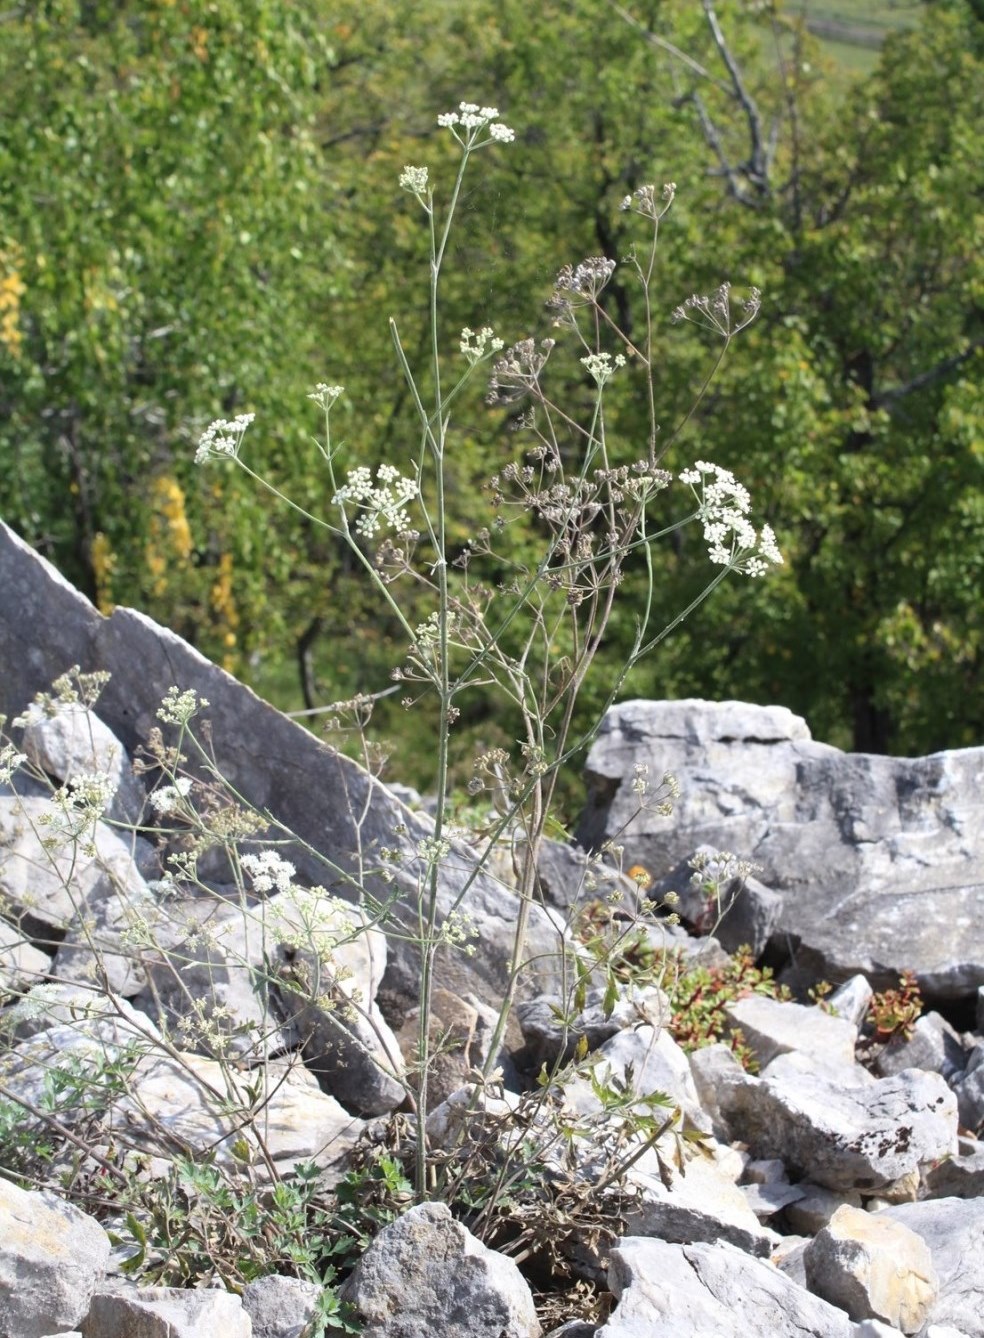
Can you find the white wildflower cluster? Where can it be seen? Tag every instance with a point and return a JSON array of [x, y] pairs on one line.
[[168, 798], [222, 438], [474, 345], [723, 507], [325, 396], [428, 633], [414, 180], [433, 849], [470, 120], [643, 201], [178, 708], [269, 872], [459, 930], [602, 366], [382, 503], [90, 790], [10, 760]]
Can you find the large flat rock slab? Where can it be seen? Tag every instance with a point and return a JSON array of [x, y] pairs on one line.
[[879, 860], [340, 812]]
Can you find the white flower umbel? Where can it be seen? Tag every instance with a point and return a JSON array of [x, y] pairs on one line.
[[474, 126], [222, 439], [381, 504], [414, 180], [10, 760], [168, 798], [268, 871], [325, 396], [475, 345], [178, 708], [602, 366], [723, 505]]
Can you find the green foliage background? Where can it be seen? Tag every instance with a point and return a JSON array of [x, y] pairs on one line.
[[199, 215]]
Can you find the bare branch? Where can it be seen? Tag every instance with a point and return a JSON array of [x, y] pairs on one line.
[[759, 163], [655, 40], [927, 378]]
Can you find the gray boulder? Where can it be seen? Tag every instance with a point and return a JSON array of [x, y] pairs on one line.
[[954, 1231], [65, 740], [343, 815], [772, 1027], [878, 859], [166, 1312], [426, 1274], [52, 1256], [874, 1268], [710, 1291], [281, 1307], [842, 1131]]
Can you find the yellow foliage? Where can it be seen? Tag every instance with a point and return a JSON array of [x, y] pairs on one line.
[[168, 532], [103, 565], [12, 289]]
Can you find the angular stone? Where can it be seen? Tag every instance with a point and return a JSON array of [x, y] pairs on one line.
[[342, 814], [710, 1291], [715, 1068], [281, 1307], [426, 1274], [570, 877], [959, 1177], [459, 1036], [67, 740], [767, 1200], [699, 1203], [742, 914], [873, 1268], [933, 1045], [877, 858], [773, 1027], [842, 1133], [954, 1231], [166, 1312], [811, 1213], [550, 1038], [851, 1000], [969, 1089], [21, 964], [52, 1256], [651, 1061]]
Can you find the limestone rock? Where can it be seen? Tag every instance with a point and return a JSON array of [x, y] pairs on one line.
[[425, 1274], [873, 1268], [166, 1312], [21, 964], [742, 913], [692, 1203], [52, 1256], [710, 1291], [67, 740], [772, 1027], [933, 1044], [954, 1231], [551, 1034], [281, 1307], [843, 1133], [344, 815], [650, 1060], [878, 859]]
